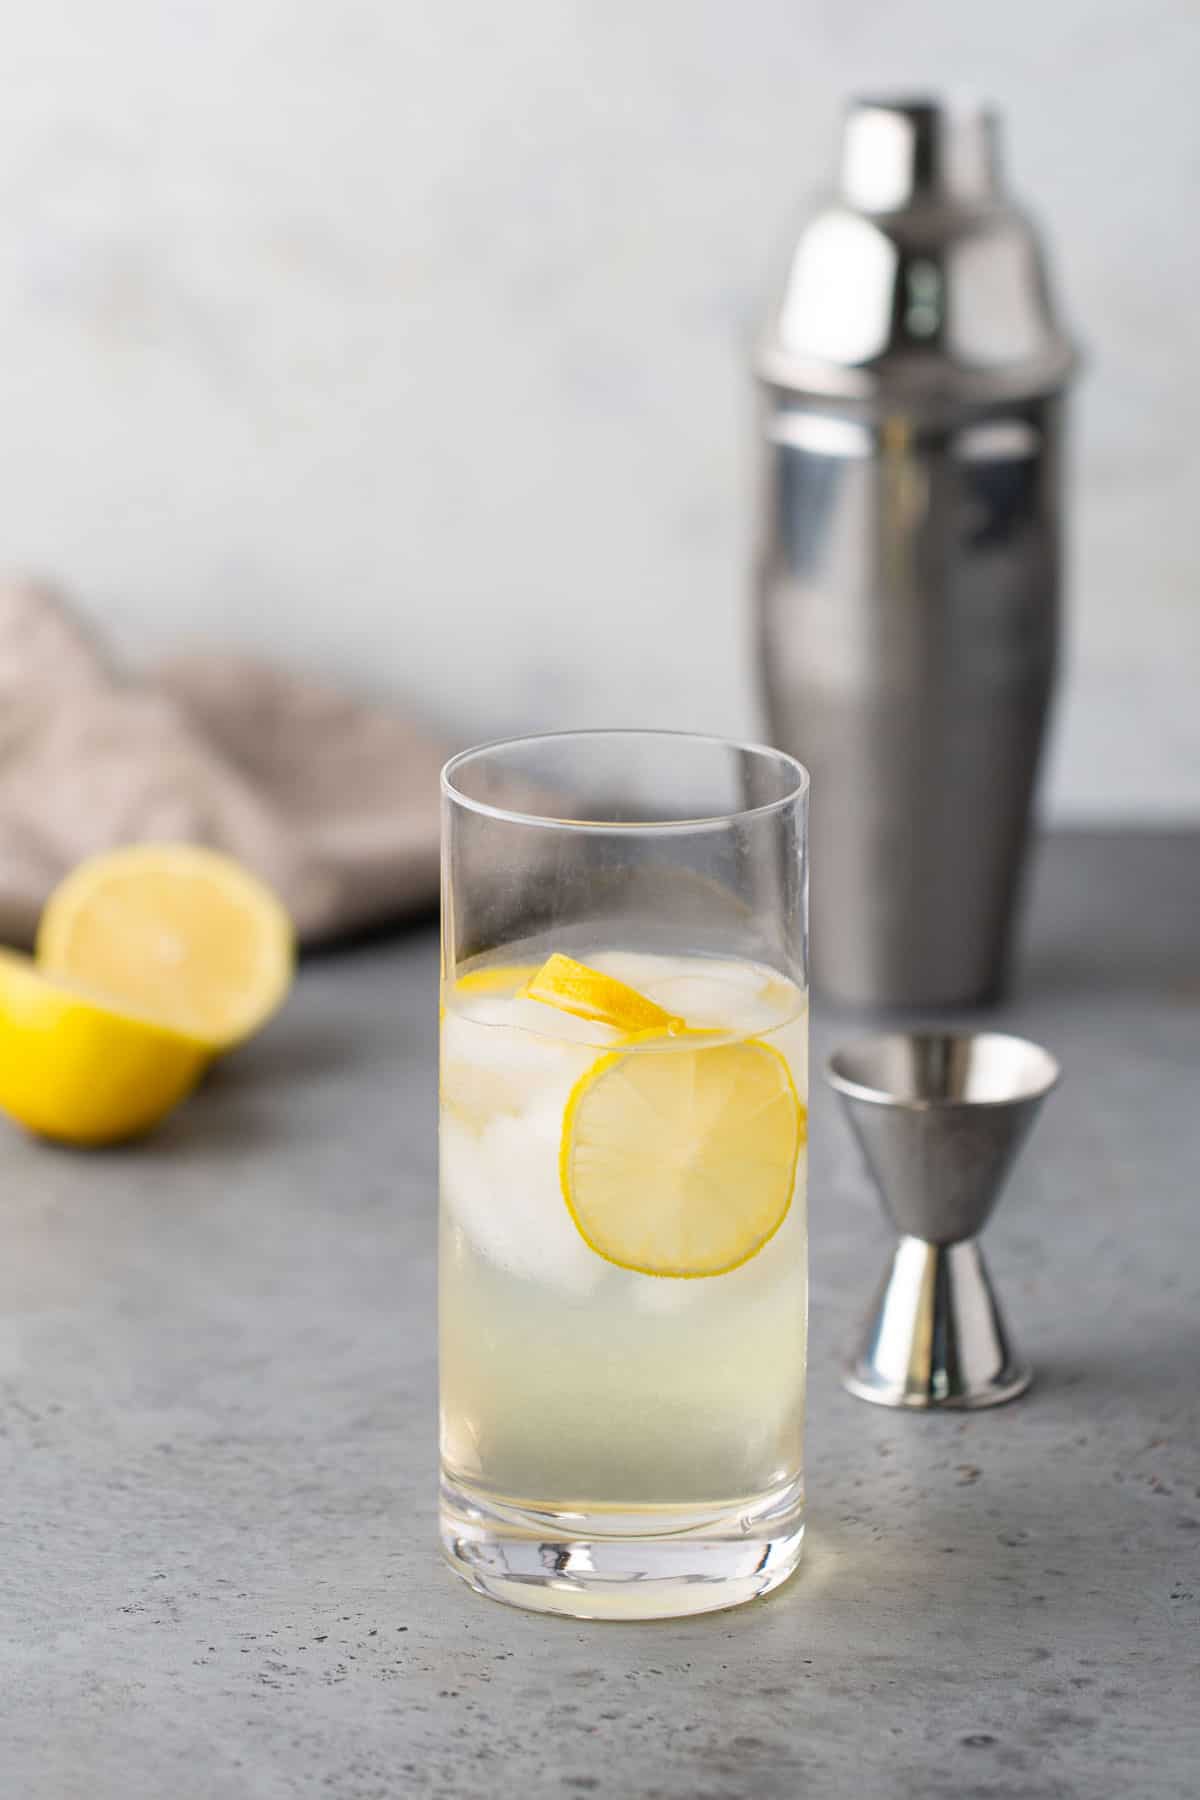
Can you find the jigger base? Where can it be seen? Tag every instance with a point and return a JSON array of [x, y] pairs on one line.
[[935, 1338]]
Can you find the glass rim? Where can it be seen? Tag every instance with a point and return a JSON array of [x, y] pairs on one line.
[[801, 780]]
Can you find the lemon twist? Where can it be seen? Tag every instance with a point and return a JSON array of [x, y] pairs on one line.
[[588, 993]]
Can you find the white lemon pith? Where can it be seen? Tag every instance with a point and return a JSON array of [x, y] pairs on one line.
[[680, 1164]]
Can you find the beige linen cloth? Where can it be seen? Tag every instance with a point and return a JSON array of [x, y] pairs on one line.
[[332, 800]]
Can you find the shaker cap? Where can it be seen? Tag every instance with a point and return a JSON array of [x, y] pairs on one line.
[[916, 283]]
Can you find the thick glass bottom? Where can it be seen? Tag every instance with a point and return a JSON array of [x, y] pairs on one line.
[[649, 1563]]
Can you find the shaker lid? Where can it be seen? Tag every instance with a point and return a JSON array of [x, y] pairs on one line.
[[916, 282]]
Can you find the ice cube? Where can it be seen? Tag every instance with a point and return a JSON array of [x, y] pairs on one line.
[[501, 1186], [706, 991], [488, 1069]]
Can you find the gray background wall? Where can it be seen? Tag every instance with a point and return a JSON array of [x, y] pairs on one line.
[[408, 339]]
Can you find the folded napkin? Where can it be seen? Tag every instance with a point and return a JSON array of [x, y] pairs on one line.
[[330, 799]]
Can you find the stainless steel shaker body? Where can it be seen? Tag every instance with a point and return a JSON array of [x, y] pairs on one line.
[[908, 571]]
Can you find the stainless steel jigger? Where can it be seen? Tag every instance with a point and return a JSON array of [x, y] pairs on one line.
[[940, 1119]]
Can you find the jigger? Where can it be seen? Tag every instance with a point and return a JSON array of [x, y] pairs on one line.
[[940, 1119]]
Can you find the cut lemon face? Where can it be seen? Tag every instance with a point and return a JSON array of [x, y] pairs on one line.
[[589, 994], [77, 1070], [682, 1163], [184, 935]]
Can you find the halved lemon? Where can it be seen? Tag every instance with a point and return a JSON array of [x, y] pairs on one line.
[[682, 1162], [178, 933], [588, 993], [81, 1071]]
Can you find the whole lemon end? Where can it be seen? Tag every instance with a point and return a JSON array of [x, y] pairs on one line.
[[79, 1071]]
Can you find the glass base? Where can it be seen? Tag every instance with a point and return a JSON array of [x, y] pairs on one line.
[[649, 1563]]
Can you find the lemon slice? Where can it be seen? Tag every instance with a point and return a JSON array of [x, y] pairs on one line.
[[589, 994], [78, 1070], [498, 978], [682, 1163], [181, 934]]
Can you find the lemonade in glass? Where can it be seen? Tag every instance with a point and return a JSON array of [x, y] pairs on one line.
[[623, 1271]]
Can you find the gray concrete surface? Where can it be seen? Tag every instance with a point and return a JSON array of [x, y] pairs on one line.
[[217, 1449]]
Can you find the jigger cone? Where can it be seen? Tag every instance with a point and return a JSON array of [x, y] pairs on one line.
[[940, 1119]]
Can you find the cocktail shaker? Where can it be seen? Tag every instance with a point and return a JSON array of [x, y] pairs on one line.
[[913, 375]]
